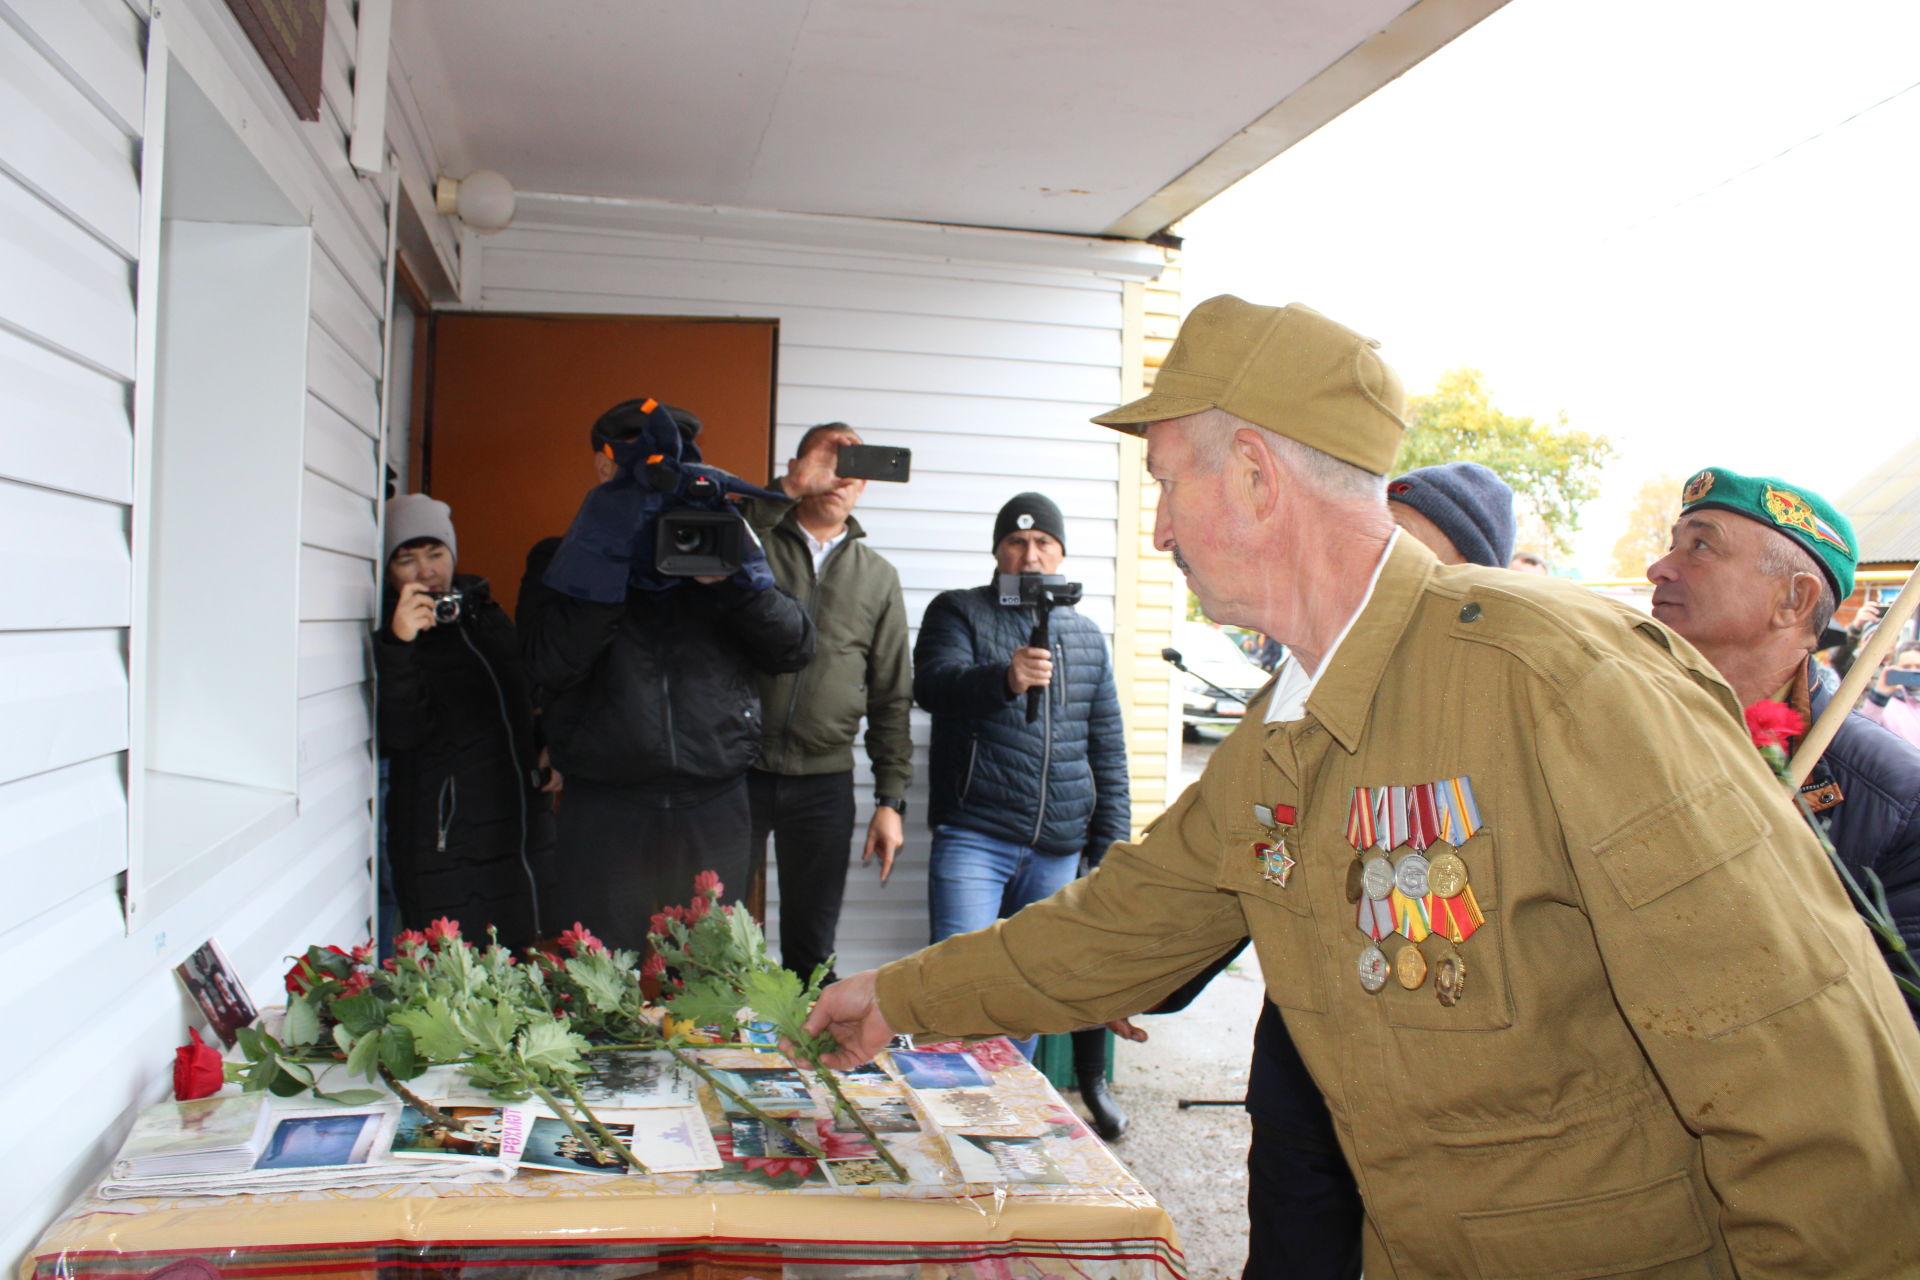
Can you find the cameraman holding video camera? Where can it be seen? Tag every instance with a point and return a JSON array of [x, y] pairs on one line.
[[1023, 788], [647, 679]]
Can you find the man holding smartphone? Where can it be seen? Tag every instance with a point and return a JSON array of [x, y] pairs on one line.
[[1756, 569], [802, 789]]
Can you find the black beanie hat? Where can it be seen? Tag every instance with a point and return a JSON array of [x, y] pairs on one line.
[[1468, 503], [1029, 511]]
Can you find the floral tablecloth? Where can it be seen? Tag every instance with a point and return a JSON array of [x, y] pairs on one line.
[[757, 1216]]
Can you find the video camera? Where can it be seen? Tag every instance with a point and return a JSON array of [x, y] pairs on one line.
[[663, 516], [1045, 589], [1045, 592]]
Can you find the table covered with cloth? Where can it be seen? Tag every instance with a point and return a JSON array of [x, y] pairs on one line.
[[774, 1217]]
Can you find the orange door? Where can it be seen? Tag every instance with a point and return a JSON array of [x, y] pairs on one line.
[[510, 401]]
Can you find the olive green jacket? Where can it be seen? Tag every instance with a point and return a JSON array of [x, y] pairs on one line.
[[1675, 1053], [861, 664]]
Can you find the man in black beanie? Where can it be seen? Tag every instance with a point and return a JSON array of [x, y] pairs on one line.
[[1460, 511], [1018, 804]]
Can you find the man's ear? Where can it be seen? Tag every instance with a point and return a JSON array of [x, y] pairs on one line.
[[604, 468], [1794, 609], [1254, 466]]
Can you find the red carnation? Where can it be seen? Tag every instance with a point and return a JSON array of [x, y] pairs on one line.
[[707, 884], [1772, 723], [197, 1069], [443, 930], [653, 966], [577, 940], [408, 937]]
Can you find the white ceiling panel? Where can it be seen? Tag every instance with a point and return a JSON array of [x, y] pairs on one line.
[[1063, 115]]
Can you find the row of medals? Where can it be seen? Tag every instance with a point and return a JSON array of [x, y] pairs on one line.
[[1415, 876]]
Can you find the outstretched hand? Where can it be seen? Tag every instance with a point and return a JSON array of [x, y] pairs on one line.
[[848, 1012]]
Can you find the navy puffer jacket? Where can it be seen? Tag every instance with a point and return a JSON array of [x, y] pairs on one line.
[[1058, 785], [1876, 825]]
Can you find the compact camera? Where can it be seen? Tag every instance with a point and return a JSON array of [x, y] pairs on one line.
[[446, 606]]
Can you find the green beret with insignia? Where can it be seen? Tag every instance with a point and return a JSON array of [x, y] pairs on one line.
[[1800, 513]]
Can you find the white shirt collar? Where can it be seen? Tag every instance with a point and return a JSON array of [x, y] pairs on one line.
[[821, 549], [1295, 685]]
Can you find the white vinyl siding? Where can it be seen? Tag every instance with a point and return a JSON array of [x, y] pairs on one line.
[[99, 1037], [986, 367]]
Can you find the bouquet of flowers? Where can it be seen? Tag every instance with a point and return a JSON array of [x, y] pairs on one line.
[[519, 1028]]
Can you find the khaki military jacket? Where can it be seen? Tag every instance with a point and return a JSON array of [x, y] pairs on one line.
[[1673, 1050]]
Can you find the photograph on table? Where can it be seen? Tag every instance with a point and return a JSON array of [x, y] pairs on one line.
[[672, 1139], [991, 1157], [883, 1115], [775, 1090], [967, 1109], [475, 1133], [210, 979], [860, 1172], [940, 1070], [752, 1138], [551, 1145], [632, 1079], [319, 1139]]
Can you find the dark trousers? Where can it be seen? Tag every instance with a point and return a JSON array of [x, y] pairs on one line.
[[1304, 1215], [811, 820], [622, 854]]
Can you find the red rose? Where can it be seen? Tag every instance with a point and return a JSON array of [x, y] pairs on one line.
[[1772, 723], [197, 1069]]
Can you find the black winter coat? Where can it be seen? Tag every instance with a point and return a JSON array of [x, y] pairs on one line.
[[465, 823], [1876, 825], [657, 693], [1058, 785]]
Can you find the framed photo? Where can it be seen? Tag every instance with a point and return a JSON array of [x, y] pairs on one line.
[[215, 987]]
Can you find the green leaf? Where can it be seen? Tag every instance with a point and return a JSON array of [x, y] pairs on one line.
[[354, 1097], [257, 1044], [360, 1013], [364, 1057], [707, 1002], [396, 1052], [284, 1084], [548, 1047], [603, 985], [435, 1033], [303, 1021]]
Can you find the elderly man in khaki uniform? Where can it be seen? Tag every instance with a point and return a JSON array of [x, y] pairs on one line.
[[1581, 991]]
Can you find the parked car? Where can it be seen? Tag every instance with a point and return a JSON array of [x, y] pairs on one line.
[[1214, 660]]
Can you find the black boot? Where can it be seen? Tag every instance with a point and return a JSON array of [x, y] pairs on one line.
[[1090, 1069]]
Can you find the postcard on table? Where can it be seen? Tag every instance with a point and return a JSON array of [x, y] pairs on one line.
[[215, 987], [551, 1145], [967, 1109], [940, 1070], [989, 1157], [633, 1079], [314, 1139], [860, 1171], [482, 1133], [775, 1090], [753, 1138], [883, 1115], [673, 1140]]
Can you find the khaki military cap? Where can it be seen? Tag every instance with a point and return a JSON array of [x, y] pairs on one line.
[[1288, 369]]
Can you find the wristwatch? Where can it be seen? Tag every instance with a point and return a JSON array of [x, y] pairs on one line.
[[894, 803]]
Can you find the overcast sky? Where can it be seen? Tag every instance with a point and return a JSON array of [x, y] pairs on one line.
[[1588, 202]]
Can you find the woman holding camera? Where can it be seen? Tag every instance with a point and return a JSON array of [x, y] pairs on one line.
[[1894, 699], [465, 819]]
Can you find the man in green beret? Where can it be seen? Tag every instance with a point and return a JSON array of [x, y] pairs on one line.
[[1578, 986], [1756, 568]]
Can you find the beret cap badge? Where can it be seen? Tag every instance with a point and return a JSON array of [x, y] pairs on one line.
[[1697, 488]]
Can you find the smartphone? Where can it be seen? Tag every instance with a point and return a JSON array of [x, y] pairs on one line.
[[874, 462], [1905, 679]]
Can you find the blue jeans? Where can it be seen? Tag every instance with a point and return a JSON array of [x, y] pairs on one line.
[[973, 880]]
